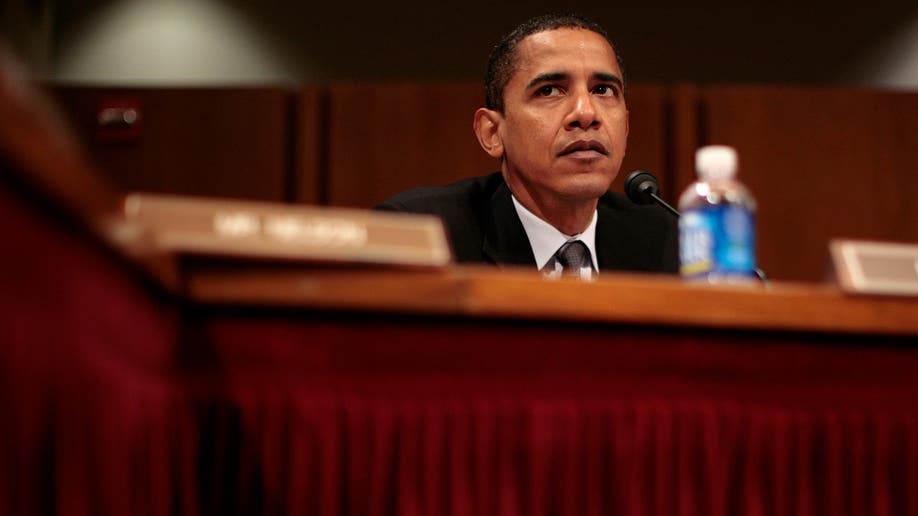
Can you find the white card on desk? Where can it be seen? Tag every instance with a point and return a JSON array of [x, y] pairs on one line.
[[876, 267]]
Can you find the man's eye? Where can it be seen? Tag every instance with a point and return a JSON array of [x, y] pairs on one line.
[[606, 90], [548, 91]]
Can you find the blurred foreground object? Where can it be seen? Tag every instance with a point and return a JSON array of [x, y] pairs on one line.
[[37, 147]]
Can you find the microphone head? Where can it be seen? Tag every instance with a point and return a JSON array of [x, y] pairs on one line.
[[640, 185]]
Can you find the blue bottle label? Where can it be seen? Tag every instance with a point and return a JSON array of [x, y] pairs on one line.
[[717, 241]]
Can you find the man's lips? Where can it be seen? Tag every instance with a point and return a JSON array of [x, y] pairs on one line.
[[583, 145]]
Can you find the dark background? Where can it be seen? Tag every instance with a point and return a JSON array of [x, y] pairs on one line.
[[836, 43]]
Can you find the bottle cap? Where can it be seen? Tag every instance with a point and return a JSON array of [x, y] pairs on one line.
[[716, 162]]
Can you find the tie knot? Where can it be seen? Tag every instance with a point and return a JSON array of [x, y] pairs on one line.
[[572, 256]]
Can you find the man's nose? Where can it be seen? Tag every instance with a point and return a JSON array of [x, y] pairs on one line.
[[583, 113]]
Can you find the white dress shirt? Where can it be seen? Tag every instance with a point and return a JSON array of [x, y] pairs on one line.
[[545, 241]]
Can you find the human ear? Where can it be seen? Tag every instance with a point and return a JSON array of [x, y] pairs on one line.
[[627, 123], [627, 127], [486, 125]]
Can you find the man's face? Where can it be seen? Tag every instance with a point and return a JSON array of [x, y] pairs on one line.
[[564, 127]]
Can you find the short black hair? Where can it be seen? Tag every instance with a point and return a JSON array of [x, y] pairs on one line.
[[502, 61]]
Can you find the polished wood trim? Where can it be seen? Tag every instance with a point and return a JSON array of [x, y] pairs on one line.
[[613, 298], [422, 292], [670, 301]]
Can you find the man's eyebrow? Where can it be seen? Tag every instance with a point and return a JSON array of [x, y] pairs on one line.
[[561, 76], [609, 77], [547, 77]]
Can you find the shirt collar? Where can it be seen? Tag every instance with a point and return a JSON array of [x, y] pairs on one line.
[[545, 239]]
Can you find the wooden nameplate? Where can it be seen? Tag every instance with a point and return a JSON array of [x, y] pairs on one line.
[[201, 226]]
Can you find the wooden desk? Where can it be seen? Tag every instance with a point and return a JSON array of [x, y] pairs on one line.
[[523, 294], [470, 390]]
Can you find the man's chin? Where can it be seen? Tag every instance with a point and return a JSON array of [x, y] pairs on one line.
[[585, 187]]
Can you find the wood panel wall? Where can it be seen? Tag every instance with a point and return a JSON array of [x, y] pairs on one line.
[[225, 142], [822, 163], [308, 179], [385, 138]]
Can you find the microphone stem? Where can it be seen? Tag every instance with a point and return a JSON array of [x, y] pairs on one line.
[[664, 204]]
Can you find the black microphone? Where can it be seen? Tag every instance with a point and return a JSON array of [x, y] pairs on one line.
[[642, 188]]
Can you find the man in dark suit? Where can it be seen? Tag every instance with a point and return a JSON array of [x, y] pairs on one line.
[[556, 118]]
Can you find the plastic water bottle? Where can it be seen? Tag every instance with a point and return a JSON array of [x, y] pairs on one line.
[[717, 226]]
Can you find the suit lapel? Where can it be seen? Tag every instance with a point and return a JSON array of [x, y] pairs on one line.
[[505, 241]]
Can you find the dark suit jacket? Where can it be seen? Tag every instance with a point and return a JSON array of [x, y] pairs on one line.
[[484, 228]]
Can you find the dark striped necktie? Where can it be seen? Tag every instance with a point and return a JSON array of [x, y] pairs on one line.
[[572, 256]]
